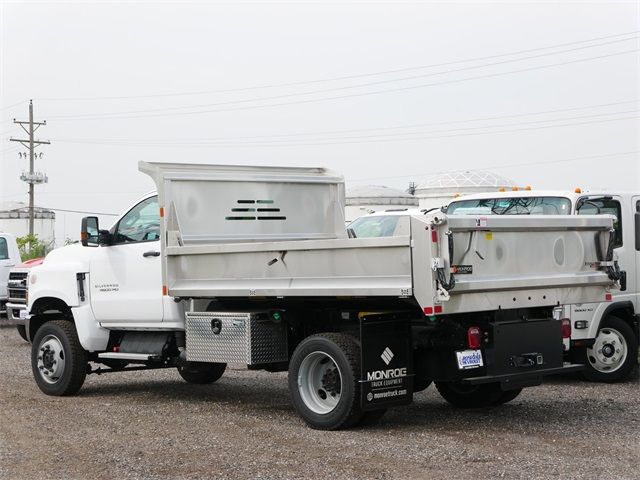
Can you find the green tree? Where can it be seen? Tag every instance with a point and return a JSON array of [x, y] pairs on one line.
[[31, 246]]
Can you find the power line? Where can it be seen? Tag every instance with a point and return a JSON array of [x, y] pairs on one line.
[[513, 165], [344, 77], [81, 211], [346, 141], [314, 92], [13, 105], [353, 95], [155, 142], [354, 130]]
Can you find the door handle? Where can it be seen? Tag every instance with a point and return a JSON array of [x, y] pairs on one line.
[[151, 254]]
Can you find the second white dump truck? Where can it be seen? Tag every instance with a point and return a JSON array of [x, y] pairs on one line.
[[253, 266]]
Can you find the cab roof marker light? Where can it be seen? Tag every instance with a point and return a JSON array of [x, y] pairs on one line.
[[528, 188], [578, 190]]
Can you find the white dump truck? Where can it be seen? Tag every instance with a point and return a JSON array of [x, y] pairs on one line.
[[254, 266], [604, 335]]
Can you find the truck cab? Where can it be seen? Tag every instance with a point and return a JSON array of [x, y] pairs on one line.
[[9, 257]]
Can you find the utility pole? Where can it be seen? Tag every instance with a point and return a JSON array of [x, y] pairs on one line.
[[31, 177]]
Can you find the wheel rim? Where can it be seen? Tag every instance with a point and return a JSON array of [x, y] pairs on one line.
[[609, 351], [51, 359], [320, 382]]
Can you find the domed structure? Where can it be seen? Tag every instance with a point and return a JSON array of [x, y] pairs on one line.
[[364, 199], [439, 189]]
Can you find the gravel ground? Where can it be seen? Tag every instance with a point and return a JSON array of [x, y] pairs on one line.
[[152, 425]]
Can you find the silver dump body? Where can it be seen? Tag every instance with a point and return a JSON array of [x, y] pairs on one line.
[[218, 242]]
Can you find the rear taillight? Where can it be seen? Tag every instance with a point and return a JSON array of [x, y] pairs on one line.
[[566, 327], [474, 338]]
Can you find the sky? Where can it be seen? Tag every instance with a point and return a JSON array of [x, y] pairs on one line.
[[386, 93]]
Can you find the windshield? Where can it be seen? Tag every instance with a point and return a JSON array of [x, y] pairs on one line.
[[511, 206]]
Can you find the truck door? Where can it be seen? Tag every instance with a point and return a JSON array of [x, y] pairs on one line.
[[126, 276], [624, 235]]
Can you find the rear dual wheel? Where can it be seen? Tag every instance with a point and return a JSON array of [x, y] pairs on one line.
[[475, 396], [324, 375]]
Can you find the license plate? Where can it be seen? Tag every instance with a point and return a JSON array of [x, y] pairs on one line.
[[23, 314], [469, 359]]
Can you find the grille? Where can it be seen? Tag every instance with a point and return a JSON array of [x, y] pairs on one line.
[[17, 287]]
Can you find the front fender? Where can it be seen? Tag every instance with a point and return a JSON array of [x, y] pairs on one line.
[[56, 281]]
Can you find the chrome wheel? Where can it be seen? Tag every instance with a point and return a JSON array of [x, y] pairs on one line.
[[51, 359], [319, 382], [609, 351]]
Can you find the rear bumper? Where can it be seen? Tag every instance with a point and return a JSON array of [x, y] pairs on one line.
[[525, 379]]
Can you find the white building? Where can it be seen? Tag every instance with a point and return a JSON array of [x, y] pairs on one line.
[[437, 190], [14, 218], [361, 200]]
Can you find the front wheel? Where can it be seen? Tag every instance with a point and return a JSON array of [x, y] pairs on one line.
[[612, 356], [323, 381], [462, 395], [58, 361], [201, 373]]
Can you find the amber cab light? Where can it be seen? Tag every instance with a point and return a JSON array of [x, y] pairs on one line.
[[474, 338], [566, 327]]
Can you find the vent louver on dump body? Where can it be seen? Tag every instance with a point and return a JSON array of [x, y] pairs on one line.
[[255, 212]]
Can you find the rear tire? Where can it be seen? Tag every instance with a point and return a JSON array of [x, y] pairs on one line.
[[201, 373], [372, 417], [470, 396], [507, 396], [420, 384], [324, 375], [22, 331], [613, 356], [58, 361]]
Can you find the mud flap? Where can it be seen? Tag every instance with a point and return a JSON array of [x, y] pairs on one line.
[[387, 362]]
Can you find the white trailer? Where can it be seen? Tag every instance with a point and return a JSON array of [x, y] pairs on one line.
[[253, 265]]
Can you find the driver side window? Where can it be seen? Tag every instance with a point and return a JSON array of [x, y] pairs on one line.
[[140, 224]]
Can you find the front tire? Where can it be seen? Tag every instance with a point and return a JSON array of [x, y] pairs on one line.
[[58, 361], [323, 381], [612, 357], [201, 373], [471, 396]]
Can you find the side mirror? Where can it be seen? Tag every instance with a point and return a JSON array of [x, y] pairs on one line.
[[89, 232]]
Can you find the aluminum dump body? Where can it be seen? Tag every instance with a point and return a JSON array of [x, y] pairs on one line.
[[501, 262]]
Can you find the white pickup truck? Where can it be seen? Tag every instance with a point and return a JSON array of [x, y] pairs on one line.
[[254, 266], [604, 336], [9, 258]]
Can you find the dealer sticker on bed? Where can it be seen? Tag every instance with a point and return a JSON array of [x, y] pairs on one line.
[[469, 359]]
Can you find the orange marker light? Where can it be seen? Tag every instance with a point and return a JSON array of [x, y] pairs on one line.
[[161, 212], [514, 189], [578, 190], [501, 189], [164, 290], [528, 188]]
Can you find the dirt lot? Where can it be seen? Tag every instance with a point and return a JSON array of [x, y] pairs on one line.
[[153, 425]]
